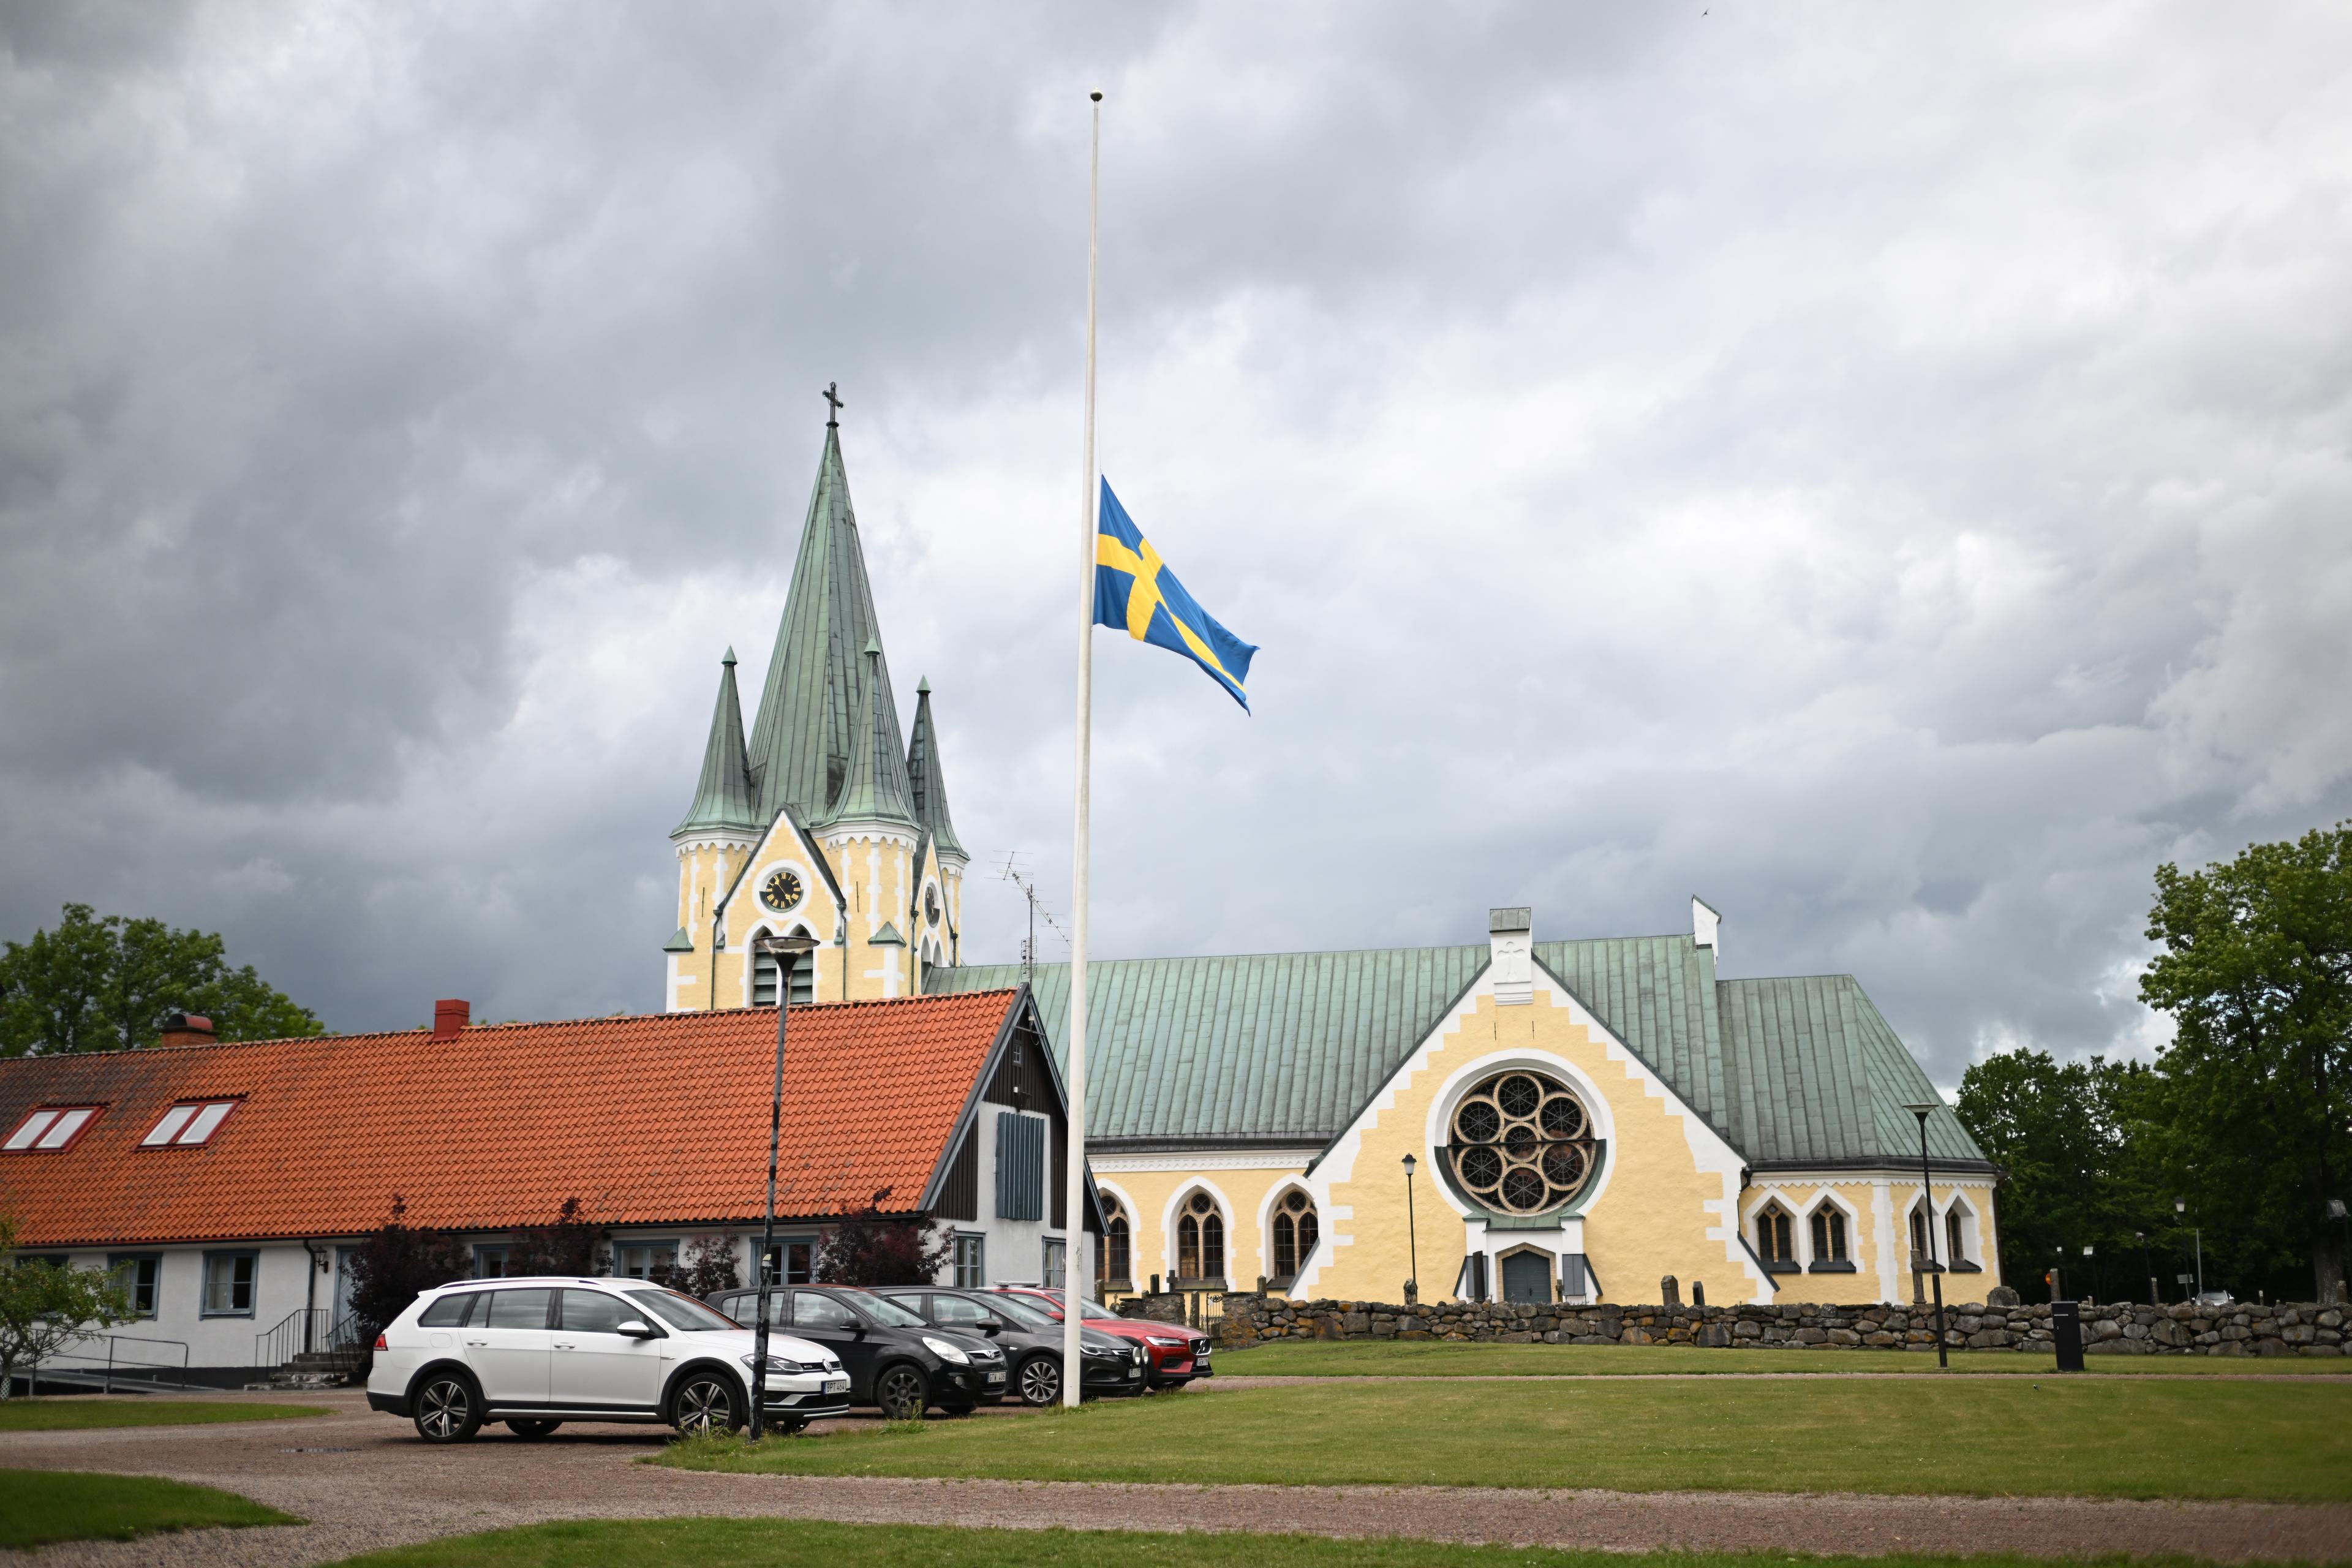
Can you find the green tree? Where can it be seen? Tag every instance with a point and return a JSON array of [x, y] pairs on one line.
[[2256, 1096], [2076, 1149], [95, 985], [44, 1306]]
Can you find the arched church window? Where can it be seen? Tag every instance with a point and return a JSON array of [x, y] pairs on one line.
[[1295, 1232], [1201, 1239], [1829, 1235], [1521, 1143], [801, 967], [1953, 1251], [1772, 1234], [1919, 1259], [1113, 1261]]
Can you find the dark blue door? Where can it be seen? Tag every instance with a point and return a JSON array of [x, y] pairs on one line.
[[1526, 1277]]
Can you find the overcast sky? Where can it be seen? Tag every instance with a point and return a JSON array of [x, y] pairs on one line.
[[1882, 468]]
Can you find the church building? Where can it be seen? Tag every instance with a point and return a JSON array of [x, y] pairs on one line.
[[1577, 1121]]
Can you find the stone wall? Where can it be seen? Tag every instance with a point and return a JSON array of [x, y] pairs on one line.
[[2281, 1330]]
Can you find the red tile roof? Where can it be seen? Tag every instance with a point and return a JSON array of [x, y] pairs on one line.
[[653, 1120]]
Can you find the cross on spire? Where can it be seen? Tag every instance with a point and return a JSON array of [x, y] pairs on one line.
[[833, 400]]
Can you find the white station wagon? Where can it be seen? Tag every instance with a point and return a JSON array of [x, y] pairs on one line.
[[538, 1352]]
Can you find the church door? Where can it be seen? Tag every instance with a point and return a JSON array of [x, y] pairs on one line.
[[1526, 1277]]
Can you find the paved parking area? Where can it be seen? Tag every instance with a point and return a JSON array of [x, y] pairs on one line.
[[364, 1481]]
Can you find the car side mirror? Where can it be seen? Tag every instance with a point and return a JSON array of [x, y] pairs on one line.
[[993, 1327], [637, 1329]]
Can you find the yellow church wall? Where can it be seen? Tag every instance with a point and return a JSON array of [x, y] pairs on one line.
[[1877, 1234], [1661, 1205], [1243, 1197]]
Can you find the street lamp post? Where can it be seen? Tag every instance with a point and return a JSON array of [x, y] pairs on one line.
[[1927, 1195], [1411, 1240], [779, 948], [2180, 1207], [2093, 1269]]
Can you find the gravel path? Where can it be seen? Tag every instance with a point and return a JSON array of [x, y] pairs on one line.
[[365, 1482]]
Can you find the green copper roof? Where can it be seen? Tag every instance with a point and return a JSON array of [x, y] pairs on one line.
[[681, 942], [927, 786], [811, 725], [874, 789], [1286, 1047], [723, 798]]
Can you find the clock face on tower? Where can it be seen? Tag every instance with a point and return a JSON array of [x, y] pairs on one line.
[[781, 891]]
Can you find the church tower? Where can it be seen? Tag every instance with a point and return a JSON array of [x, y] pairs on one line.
[[828, 822]]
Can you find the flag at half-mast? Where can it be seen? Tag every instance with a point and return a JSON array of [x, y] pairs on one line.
[[1135, 590]]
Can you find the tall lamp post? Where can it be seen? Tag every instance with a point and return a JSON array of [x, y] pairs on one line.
[[1411, 1240], [786, 951], [2181, 1207], [1927, 1194]]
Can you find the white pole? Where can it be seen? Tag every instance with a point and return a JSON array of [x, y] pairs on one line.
[[1073, 1243]]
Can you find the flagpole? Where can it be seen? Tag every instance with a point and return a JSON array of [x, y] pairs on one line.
[[1073, 1243]]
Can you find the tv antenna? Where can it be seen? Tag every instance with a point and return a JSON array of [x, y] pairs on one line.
[[1012, 873]]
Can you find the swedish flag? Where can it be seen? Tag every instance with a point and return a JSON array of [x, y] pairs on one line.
[[1135, 590]]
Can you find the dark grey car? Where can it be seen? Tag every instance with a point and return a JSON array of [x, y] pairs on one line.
[[1031, 1340]]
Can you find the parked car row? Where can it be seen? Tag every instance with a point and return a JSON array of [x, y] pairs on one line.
[[537, 1353]]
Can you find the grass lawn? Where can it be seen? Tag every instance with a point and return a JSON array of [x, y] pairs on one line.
[[70, 1413], [774, 1543], [38, 1506], [2108, 1436], [1429, 1358]]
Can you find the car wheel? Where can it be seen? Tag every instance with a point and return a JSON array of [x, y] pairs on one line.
[[447, 1410], [532, 1430], [902, 1392], [1041, 1380], [705, 1404]]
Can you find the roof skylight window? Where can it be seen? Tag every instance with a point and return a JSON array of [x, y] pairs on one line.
[[50, 1129], [187, 1125]]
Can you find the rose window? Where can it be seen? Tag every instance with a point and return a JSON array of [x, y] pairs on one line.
[[1521, 1143]]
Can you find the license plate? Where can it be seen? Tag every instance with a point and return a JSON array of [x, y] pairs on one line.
[[996, 1377], [836, 1385]]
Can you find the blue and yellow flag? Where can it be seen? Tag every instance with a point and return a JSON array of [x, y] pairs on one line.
[[1135, 590]]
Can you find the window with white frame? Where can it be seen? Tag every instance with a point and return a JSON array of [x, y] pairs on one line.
[[493, 1262], [229, 1279], [1775, 1238], [1057, 1260], [792, 1260], [1111, 1262], [971, 1260], [1923, 1257], [50, 1129], [188, 1124], [644, 1259]]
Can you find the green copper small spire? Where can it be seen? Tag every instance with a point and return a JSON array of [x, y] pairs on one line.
[[874, 789], [927, 786], [723, 799]]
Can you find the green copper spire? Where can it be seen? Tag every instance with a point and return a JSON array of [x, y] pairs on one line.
[[927, 787], [875, 788], [811, 726], [723, 799]]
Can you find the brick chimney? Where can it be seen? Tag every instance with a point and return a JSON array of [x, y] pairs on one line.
[[186, 1029], [449, 1016]]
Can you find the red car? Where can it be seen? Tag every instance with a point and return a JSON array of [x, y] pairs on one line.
[[1173, 1354]]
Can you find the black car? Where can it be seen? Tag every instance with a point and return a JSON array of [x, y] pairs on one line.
[[897, 1362], [1032, 1342]]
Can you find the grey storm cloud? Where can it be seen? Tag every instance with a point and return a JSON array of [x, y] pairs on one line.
[[1884, 471]]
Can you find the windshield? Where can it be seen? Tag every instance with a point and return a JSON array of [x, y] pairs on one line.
[[888, 1313], [681, 1312], [1050, 1307], [1021, 1312]]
